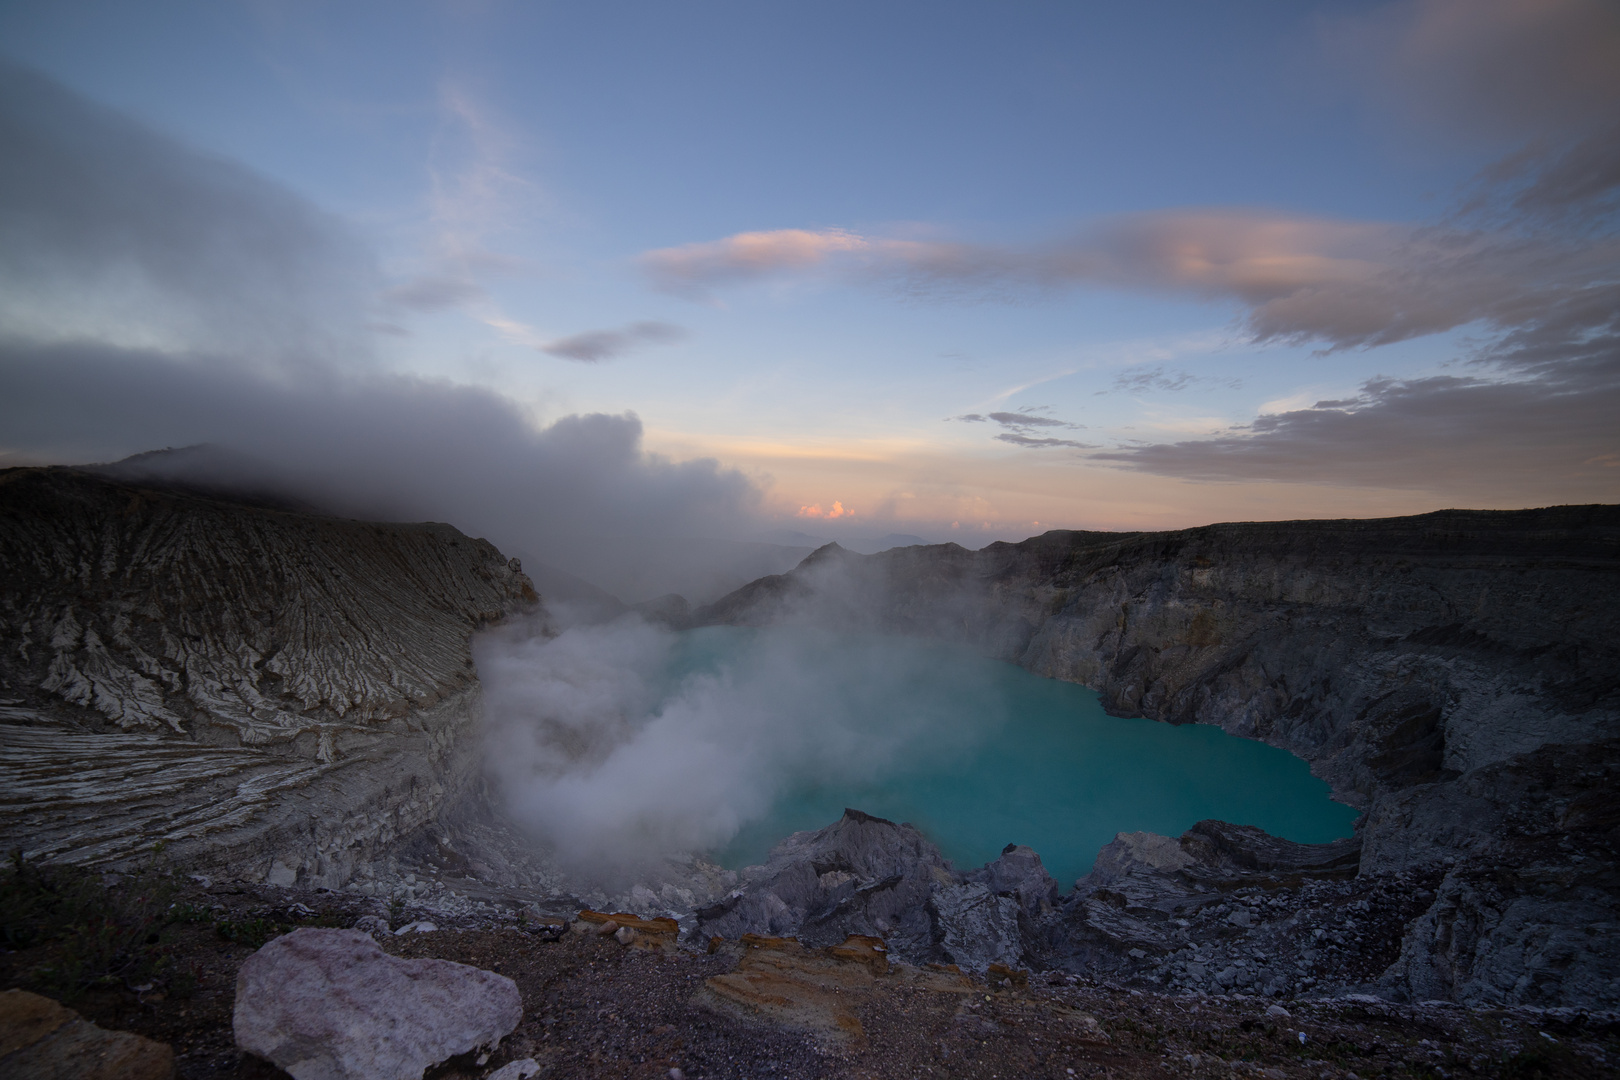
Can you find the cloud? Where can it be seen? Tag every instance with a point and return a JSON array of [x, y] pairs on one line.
[[1141, 380], [477, 193], [598, 345], [1349, 284], [111, 231], [815, 511], [1248, 253], [691, 268], [434, 293], [1022, 428], [1527, 260], [371, 445], [1532, 442], [1488, 68], [1530, 256], [1026, 420], [153, 296], [1540, 75], [1019, 439]]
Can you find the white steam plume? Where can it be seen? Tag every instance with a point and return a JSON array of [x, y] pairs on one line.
[[619, 751]]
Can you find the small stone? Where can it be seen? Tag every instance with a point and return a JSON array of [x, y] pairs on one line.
[[420, 926], [517, 1070], [676, 1074], [371, 924], [1278, 1010], [624, 935], [608, 928]]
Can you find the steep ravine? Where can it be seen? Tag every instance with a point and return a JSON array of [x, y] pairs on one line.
[[274, 695], [1456, 675]]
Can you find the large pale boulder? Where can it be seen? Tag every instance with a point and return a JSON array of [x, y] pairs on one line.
[[331, 1005]]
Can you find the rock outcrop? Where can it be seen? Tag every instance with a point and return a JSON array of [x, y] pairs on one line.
[[331, 1005], [1456, 675], [864, 876], [271, 694], [40, 1038]]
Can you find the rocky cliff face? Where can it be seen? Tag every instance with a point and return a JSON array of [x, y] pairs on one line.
[[279, 694], [1455, 675]]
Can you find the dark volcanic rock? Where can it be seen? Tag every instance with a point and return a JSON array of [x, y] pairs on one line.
[[860, 875], [41, 1040], [1434, 669], [867, 876]]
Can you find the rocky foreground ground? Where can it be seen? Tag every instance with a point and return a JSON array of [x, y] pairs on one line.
[[609, 1000]]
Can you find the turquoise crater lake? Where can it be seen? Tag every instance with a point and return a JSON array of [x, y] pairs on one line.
[[979, 754]]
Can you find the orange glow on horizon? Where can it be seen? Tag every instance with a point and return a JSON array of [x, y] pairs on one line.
[[815, 511]]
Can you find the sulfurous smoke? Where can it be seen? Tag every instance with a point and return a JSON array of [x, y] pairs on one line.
[[623, 744]]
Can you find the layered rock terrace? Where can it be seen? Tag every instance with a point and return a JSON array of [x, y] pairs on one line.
[[276, 694]]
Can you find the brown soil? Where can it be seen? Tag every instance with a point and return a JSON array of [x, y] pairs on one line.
[[595, 1006]]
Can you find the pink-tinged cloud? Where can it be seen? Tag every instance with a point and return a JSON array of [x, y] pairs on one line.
[[1300, 278], [751, 256], [815, 511]]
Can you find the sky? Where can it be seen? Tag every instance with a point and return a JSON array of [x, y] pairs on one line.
[[958, 270]]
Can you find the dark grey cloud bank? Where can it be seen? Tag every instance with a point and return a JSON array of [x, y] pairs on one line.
[[152, 296], [372, 446]]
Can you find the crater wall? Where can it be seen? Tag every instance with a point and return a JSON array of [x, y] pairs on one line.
[[273, 693], [1455, 675]]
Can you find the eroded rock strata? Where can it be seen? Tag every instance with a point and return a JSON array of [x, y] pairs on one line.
[[1456, 675], [271, 694]]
